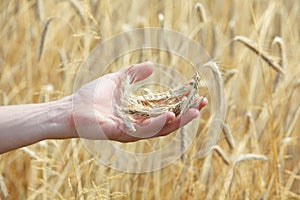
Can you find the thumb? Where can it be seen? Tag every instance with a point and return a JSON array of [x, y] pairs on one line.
[[139, 71]]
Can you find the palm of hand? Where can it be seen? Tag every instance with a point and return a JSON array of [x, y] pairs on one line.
[[94, 113]]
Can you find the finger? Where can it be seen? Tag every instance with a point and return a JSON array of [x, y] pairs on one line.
[[152, 126], [199, 102], [139, 71], [182, 121], [203, 103]]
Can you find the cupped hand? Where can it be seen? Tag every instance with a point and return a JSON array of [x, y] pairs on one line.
[[94, 113]]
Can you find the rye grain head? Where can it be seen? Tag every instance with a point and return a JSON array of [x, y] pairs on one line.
[[133, 107], [280, 44], [43, 37], [201, 12], [254, 47], [124, 101]]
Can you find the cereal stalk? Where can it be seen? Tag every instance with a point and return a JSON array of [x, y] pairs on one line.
[[43, 38], [252, 46], [283, 61], [228, 135]]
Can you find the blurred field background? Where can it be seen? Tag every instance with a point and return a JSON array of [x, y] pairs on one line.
[[43, 44]]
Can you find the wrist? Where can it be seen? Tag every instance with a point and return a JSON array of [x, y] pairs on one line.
[[60, 116]]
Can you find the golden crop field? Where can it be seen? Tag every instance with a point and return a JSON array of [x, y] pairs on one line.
[[256, 44]]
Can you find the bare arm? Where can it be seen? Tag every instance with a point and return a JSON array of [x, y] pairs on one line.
[[22, 125], [89, 109]]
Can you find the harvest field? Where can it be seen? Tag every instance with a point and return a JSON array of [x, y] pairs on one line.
[[256, 44]]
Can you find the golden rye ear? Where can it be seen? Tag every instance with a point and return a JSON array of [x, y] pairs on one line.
[[253, 46], [134, 108]]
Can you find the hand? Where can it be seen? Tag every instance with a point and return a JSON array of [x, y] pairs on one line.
[[94, 113]]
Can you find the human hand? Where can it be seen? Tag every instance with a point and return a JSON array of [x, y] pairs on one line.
[[94, 113]]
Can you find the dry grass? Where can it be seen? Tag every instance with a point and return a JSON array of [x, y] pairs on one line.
[[258, 157]]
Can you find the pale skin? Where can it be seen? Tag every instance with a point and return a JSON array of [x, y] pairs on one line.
[[23, 125]]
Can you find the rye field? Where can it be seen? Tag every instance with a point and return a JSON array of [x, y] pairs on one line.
[[256, 44]]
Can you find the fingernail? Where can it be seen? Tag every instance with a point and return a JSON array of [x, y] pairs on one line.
[[203, 103], [171, 117]]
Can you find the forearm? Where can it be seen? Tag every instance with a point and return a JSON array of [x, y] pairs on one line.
[[22, 125]]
